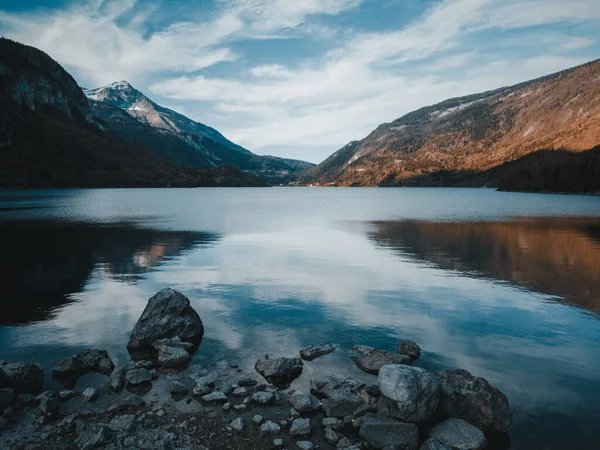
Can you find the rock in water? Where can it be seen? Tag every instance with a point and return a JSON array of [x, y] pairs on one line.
[[372, 361], [172, 356], [410, 394], [178, 388], [409, 348], [23, 377], [92, 360], [459, 435], [381, 432], [138, 376], [167, 315], [281, 371], [117, 379], [473, 399], [90, 394], [314, 351]]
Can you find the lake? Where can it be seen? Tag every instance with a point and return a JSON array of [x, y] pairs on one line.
[[505, 285]]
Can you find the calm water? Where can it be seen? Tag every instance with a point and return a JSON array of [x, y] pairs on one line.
[[504, 285]]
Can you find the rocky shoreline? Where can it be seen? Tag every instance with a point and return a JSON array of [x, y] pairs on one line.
[[158, 403]]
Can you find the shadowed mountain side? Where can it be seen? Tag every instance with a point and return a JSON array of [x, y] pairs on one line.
[[543, 171], [47, 263], [552, 255]]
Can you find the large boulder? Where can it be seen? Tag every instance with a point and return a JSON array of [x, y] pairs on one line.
[[314, 351], [86, 361], [371, 360], [23, 377], [381, 432], [410, 394], [168, 314], [458, 434], [281, 371], [473, 399]]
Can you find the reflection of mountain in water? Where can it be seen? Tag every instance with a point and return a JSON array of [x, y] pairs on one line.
[[551, 255], [45, 263]]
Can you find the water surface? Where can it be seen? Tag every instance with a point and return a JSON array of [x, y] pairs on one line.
[[505, 285]]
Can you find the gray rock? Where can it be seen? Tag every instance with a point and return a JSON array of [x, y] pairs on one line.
[[125, 422], [215, 397], [242, 407], [278, 443], [431, 444], [23, 377], [473, 399], [66, 395], [280, 371], [258, 419], [138, 376], [144, 364], [49, 406], [174, 342], [331, 436], [344, 443], [263, 398], [342, 399], [410, 394], [304, 445], [300, 427], [458, 434], [227, 389], [90, 394], [178, 388], [381, 432], [208, 380], [314, 351], [319, 384], [240, 392], [305, 403], [117, 379], [409, 348], [374, 360], [150, 440], [247, 401], [333, 422], [270, 427], [172, 356], [91, 436], [363, 410], [200, 389], [86, 361], [247, 382], [238, 424], [168, 314], [6, 398], [227, 406], [363, 349]]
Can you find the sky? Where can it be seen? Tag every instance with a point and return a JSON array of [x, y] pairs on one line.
[[302, 78]]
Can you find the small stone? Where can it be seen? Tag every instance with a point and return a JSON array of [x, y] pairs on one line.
[[283, 423], [125, 422], [331, 436], [200, 389], [49, 406], [227, 390], [241, 407], [208, 380], [117, 379], [270, 427], [238, 424], [172, 356], [280, 371], [373, 361], [247, 382], [304, 445], [138, 376], [305, 403], [314, 351], [293, 412], [332, 422], [278, 443], [144, 364], [409, 348], [227, 406], [240, 392], [160, 413], [263, 398], [458, 434], [344, 443], [66, 395], [258, 419], [177, 388], [215, 397], [300, 427], [90, 394], [247, 401]]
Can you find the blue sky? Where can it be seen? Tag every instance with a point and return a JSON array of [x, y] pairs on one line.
[[301, 78]]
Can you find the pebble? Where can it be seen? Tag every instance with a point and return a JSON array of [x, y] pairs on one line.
[[258, 419], [270, 427], [90, 394], [304, 445], [238, 424]]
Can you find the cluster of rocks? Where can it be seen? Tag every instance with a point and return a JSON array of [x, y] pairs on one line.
[[453, 409]]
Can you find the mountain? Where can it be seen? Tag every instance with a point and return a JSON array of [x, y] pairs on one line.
[[199, 145], [541, 135], [50, 138]]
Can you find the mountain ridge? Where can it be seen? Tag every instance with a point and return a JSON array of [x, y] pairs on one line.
[[454, 142], [203, 146]]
